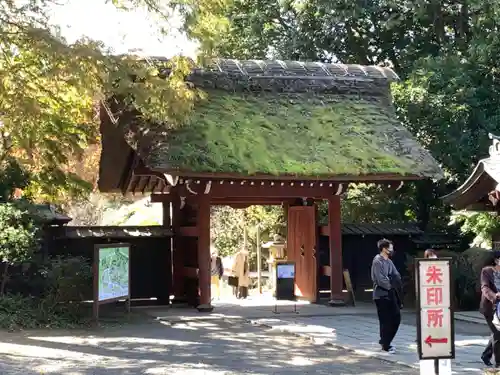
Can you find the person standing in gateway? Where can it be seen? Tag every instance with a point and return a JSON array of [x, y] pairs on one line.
[[216, 272], [386, 294]]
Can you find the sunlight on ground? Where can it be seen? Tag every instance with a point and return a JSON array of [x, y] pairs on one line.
[[300, 361], [481, 341], [265, 299], [94, 341], [180, 326]]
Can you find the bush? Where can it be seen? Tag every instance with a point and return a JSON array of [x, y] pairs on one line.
[[66, 282], [18, 312], [478, 258], [18, 237], [468, 272], [68, 279]]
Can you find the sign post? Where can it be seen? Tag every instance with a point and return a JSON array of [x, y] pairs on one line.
[[111, 273], [285, 284], [435, 319]]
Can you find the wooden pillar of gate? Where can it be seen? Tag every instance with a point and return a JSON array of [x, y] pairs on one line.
[[203, 224], [164, 297], [335, 238], [177, 253]]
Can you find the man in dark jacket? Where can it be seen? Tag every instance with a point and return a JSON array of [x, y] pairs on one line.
[[386, 294], [490, 296]]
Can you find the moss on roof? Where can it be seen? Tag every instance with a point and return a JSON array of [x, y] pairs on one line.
[[288, 134]]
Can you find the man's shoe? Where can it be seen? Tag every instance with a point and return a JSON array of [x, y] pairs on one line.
[[391, 350], [486, 360]]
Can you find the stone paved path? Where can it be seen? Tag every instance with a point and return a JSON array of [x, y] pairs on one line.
[[360, 333], [188, 347]]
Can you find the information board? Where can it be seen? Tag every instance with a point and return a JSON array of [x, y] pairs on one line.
[[111, 272], [285, 271], [435, 319], [285, 281]]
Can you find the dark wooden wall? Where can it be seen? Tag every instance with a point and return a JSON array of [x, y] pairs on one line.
[[150, 260], [357, 255]]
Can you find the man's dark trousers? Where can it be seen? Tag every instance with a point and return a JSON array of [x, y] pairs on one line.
[[389, 317], [493, 347]]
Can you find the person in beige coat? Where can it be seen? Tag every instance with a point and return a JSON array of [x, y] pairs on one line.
[[240, 270]]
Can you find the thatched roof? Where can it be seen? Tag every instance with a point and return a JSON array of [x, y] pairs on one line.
[[286, 118], [481, 191]]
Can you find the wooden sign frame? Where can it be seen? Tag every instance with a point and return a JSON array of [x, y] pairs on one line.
[[421, 355], [95, 281]]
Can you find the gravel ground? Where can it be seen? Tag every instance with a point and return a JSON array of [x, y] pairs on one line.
[[193, 347]]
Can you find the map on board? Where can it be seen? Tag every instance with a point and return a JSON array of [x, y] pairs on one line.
[[113, 272]]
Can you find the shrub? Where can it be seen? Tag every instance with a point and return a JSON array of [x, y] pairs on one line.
[[478, 258], [18, 236], [66, 282], [468, 284], [19, 312], [68, 279]]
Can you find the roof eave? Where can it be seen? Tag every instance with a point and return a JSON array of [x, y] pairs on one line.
[[283, 177], [463, 189]]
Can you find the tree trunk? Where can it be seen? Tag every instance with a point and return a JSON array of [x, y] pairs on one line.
[[5, 276]]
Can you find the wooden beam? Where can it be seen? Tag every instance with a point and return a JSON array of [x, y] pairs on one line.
[[188, 231], [228, 201], [335, 241], [127, 174], [262, 189], [190, 272], [249, 200], [204, 260], [178, 271], [146, 184], [156, 183], [326, 271], [324, 230], [259, 176]]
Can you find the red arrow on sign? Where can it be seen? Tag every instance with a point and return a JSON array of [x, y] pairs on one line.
[[429, 341]]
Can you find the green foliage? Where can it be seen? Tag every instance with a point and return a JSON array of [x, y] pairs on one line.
[[50, 91], [467, 276], [18, 232], [229, 225], [65, 283], [296, 135], [67, 279], [369, 203], [444, 52], [478, 258], [466, 284], [482, 224], [17, 312]]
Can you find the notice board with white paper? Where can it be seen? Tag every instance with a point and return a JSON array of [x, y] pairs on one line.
[[435, 319]]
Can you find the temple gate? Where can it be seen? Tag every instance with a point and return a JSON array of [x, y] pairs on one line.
[[269, 132]]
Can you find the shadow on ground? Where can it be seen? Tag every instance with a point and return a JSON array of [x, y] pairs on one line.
[[182, 347]]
